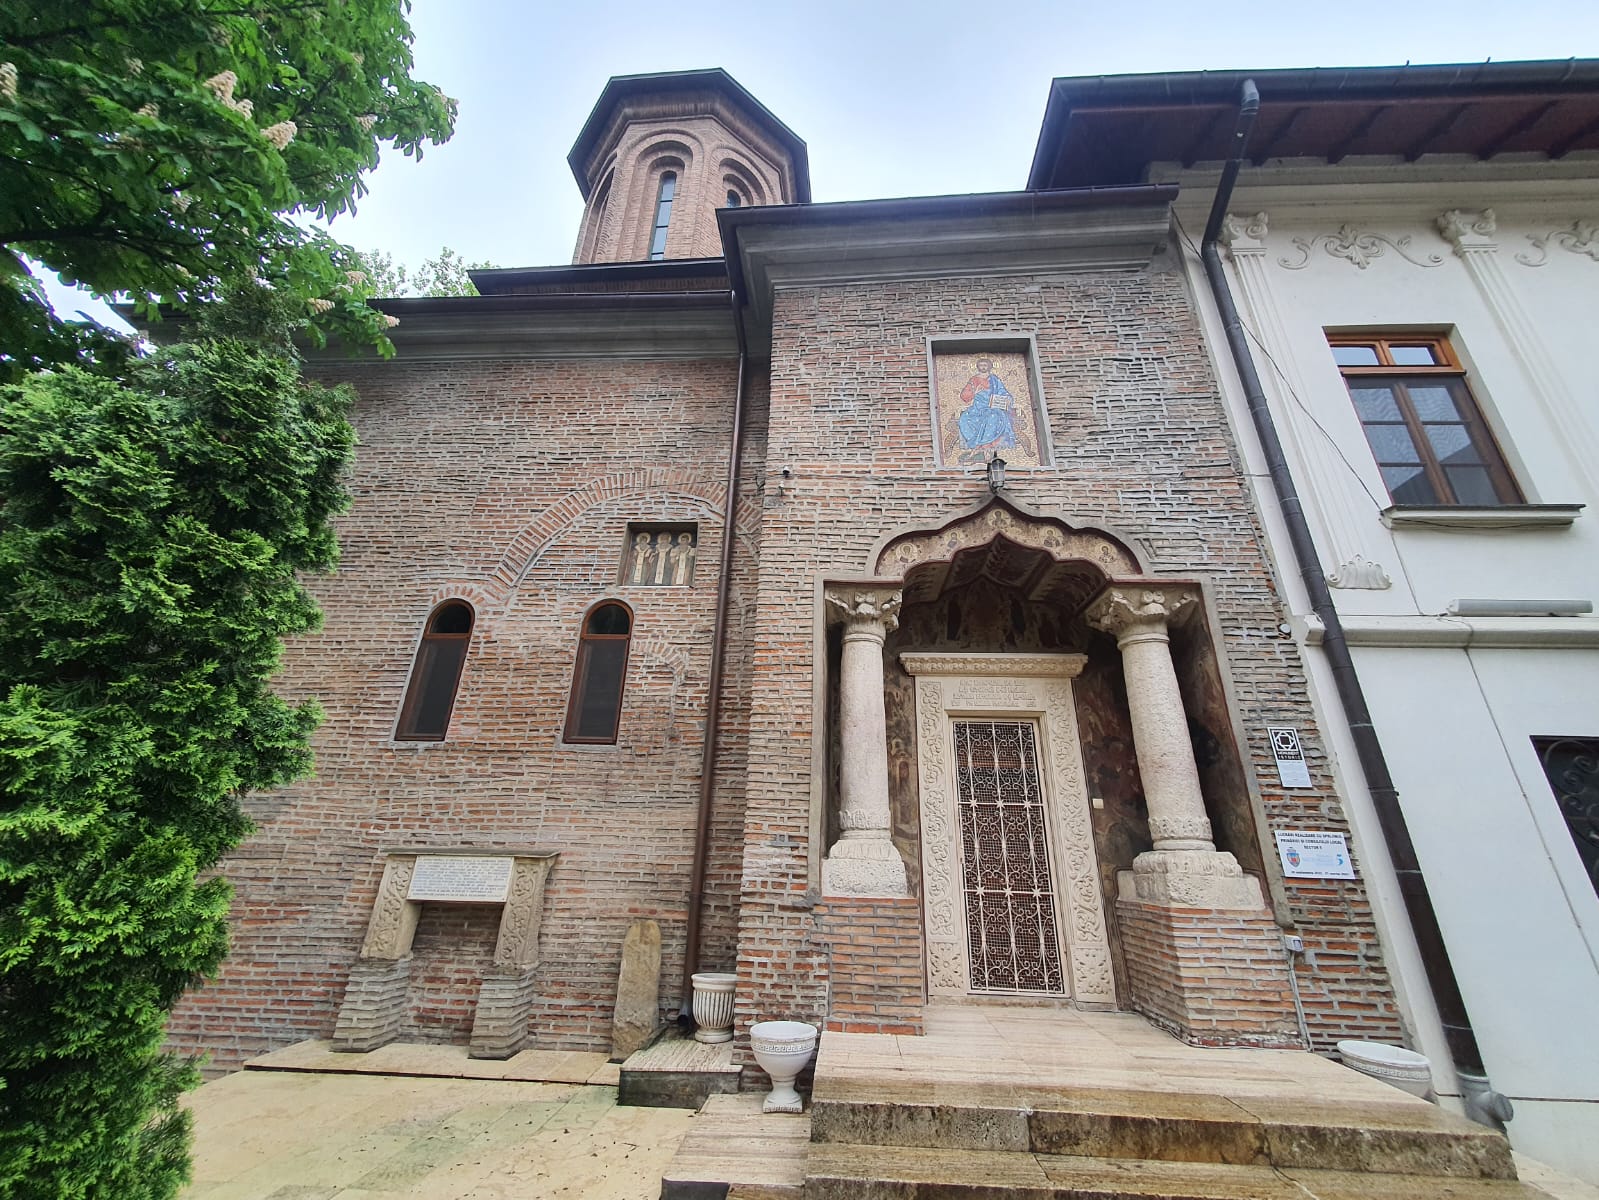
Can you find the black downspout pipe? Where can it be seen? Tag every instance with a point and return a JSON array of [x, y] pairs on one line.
[[713, 698], [1412, 885]]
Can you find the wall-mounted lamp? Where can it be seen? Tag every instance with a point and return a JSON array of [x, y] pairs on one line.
[[996, 474]]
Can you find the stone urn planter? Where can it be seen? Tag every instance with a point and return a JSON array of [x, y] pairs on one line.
[[713, 1006], [783, 1048]]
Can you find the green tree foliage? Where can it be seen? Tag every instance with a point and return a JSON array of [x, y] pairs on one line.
[[446, 275], [169, 149], [151, 531]]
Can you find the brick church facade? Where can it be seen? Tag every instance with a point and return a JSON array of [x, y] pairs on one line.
[[678, 581]]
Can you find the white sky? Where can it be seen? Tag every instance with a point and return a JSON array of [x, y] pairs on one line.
[[893, 97]]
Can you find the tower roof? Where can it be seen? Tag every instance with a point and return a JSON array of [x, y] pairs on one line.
[[621, 88]]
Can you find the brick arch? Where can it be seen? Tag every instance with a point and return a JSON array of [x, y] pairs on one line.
[[530, 543]]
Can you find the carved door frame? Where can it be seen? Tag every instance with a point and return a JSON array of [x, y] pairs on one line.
[[1035, 687]]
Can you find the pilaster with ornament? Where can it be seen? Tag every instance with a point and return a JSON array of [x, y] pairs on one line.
[[1329, 497], [1472, 235]]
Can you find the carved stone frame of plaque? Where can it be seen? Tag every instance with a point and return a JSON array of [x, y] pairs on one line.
[[376, 997], [1025, 686]]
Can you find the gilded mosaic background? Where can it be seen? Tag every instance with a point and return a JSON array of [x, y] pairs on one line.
[[985, 406]]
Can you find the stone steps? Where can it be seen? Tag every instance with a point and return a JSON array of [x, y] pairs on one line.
[[1402, 1137], [838, 1171]]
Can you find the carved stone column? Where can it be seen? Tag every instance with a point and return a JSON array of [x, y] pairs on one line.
[[863, 862], [1138, 615], [1472, 235]]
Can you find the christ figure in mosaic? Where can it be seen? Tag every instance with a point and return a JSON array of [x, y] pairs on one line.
[[985, 421]]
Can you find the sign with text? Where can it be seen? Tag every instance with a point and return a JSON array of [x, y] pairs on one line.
[[1313, 854], [1292, 771], [480, 879]]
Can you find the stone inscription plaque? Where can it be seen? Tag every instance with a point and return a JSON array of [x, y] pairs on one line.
[[987, 693], [461, 877]]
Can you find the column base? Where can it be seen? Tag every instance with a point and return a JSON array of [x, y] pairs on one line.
[[504, 1004], [864, 863], [1190, 879], [374, 1007], [1211, 976]]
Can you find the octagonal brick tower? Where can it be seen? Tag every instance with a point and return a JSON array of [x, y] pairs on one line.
[[661, 153]]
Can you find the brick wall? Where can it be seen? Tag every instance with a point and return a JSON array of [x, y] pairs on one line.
[[509, 484], [874, 964]]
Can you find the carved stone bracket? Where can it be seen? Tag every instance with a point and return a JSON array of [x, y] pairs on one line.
[[1244, 234], [1360, 573], [376, 1000]]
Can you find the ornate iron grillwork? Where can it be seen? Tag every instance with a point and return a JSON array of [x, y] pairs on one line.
[[1572, 765], [1010, 904]]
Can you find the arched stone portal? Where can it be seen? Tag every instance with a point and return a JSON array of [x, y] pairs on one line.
[[1004, 762]]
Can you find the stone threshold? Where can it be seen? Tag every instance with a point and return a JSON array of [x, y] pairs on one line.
[[438, 1061], [734, 1150], [675, 1071]]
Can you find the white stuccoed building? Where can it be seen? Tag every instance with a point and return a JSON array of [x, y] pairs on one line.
[[1414, 257]]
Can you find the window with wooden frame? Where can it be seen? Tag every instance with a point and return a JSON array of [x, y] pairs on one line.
[[595, 708], [1425, 430], [436, 674]]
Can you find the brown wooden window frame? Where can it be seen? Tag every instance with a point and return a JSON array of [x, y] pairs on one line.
[[1445, 365], [423, 666], [580, 667]]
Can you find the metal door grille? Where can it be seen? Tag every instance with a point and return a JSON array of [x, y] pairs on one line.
[[1010, 904], [1572, 765]]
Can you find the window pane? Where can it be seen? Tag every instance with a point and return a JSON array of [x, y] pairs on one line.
[[609, 619], [1433, 402], [438, 669], [1413, 356], [1375, 403], [1452, 444], [1409, 485], [1472, 485], [452, 618], [734, 200], [600, 689], [1392, 444], [1355, 356], [668, 187]]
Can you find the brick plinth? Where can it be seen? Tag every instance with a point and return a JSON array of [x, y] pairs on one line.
[[1214, 977], [875, 963]]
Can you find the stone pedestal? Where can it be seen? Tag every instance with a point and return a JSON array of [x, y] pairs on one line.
[[376, 1000], [864, 862]]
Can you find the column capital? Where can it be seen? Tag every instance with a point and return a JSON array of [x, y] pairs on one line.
[[1124, 609], [1244, 234], [1467, 230], [865, 607]]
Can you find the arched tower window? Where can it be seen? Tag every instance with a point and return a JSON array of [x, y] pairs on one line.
[[663, 214], [734, 200], [430, 696], [595, 708]]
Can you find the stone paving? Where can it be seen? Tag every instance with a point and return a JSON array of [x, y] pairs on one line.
[[311, 1135]]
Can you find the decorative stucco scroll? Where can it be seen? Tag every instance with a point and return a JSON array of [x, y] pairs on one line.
[[1357, 247], [1581, 238]]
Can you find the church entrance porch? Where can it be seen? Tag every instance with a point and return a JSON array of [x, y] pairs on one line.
[[1016, 806]]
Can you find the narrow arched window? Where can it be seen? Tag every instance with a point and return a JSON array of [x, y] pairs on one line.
[[734, 200], [663, 214], [430, 696], [595, 708]]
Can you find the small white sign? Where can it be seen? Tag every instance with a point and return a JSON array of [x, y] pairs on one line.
[[469, 878], [1313, 854], [1290, 755]]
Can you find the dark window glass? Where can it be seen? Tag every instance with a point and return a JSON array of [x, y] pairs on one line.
[[734, 200], [1572, 767], [663, 214], [1430, 442], [598, 676], [436, 674]]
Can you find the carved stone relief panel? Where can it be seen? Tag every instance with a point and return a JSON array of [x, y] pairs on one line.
[[1036, 686]]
